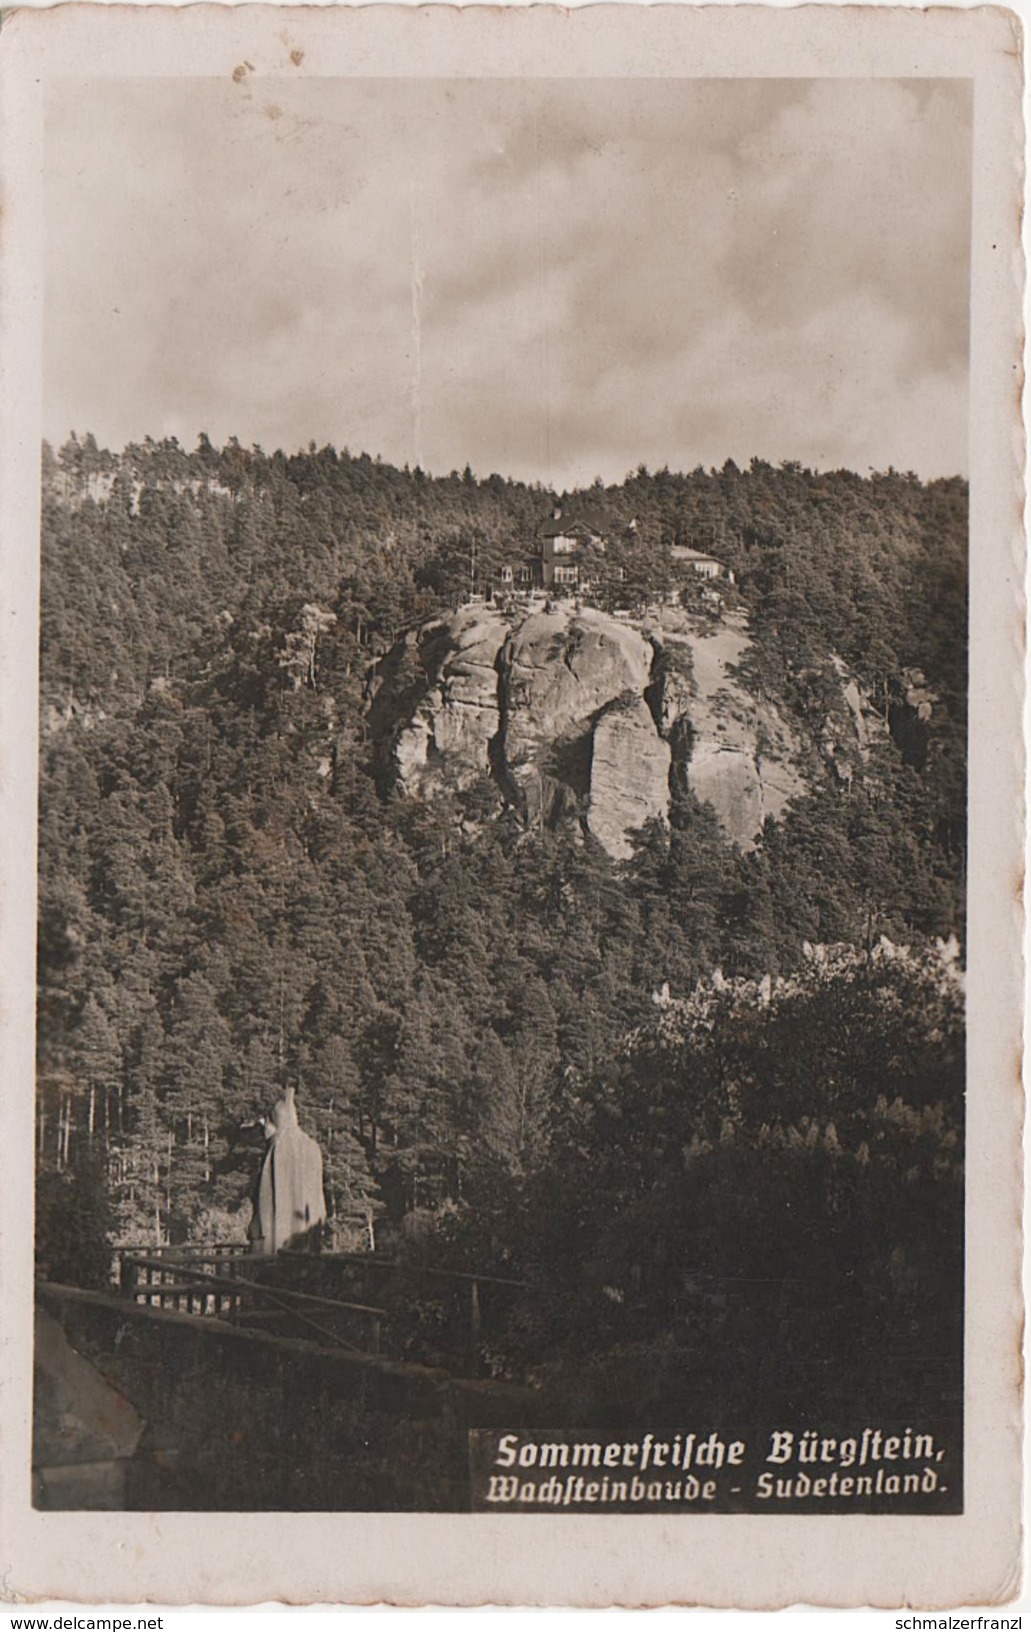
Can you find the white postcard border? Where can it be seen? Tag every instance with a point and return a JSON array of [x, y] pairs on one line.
[[742, 1560]]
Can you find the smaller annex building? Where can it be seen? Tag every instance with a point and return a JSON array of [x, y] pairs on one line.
[[706, 566]]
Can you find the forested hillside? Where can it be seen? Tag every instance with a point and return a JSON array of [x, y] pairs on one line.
[[230, 901]]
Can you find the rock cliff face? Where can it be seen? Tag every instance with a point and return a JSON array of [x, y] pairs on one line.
[[579, 714], [630, 766], [452, 666], [559, 675], [740, 755]]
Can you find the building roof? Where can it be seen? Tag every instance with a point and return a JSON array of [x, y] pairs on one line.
[[565, 526], [681, 552], [573, 516]]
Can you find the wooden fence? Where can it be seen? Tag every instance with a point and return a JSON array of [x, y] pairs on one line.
[[210, 1282], [224, 1281]]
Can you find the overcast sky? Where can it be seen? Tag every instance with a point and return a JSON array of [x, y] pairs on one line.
[[552, 279]]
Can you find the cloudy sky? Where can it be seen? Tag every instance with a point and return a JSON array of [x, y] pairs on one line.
[[552, 279]]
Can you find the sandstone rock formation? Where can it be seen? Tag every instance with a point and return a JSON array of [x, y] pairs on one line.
[[630, 765], [741, 754], [575, 713], [559, 671], [452, 664], [290, 1204]]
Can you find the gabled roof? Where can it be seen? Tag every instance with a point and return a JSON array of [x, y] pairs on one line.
[[682, 552], [574, 522]]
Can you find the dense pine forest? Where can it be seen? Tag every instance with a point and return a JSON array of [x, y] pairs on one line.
[[707, 1103]]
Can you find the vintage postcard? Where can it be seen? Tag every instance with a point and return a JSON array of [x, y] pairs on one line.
[[511, 747]]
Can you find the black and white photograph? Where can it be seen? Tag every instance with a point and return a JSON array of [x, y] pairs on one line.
[[503, 845]]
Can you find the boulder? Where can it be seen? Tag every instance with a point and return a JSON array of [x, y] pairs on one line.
[[289, 1205], [629, 786]]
